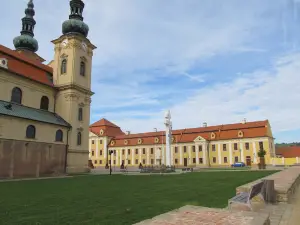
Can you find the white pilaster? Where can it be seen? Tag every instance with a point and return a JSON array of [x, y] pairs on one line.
[[230, 153], [126, 157], [204, 149], [121, 157], [190, 154], [117, 157], [97, 148], [180, 155], [197, 154], [132, 156], [219, 153], [254, 151], [148, 156], [105, 148], [282, 160], [90, 148], [242, 152], [140, 155]]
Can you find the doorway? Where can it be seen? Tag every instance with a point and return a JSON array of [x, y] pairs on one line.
[[185, 162], [248, 160]]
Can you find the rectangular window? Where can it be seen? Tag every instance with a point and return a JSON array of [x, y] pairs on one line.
[[136, 161], [93, 142], [235, 146], [144, 161], [200, 148], [128, 151], [114, 162], [109, 161], [152, 161], [144, 151], [194, 148], [129, 161], [100, 142], [247, 146], [136, 151], [176, 161], [152, 151], [184, 148], [225, 159], [80, 112], [236, 159], [200, 160], [213, 148], [93, 153], [96, 161], [123, 151], [100, 162], [214, 159], [176, 149], [100, 152], [224, 147], [261, 145], [194, 160], [115, 152]]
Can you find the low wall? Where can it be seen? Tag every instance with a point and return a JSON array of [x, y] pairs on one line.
[[284, 161]]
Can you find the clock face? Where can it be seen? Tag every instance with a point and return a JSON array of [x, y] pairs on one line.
[[84, 46], [65, 42]]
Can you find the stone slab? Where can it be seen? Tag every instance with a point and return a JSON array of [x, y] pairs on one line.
[[196, 215]]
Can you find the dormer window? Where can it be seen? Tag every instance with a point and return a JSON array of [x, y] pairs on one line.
[[44, 103], [82, 68], [240, 134], [63, 66], [212, 135], [16, 95], [3, 63]]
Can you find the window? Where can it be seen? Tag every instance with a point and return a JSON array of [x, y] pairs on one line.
[[144, 161], [261, 145], [136, 161], [115, 152], [44, 103], [184, 148], [100, 162], [213, 148], [129, 161], [225, 159], [82, 69], [93, 142], [79, 138], [115, 162], [151, 150], [93, 153], [214, 159], [109, 161], [224, 147], [152, 161], [194, 160], [144, 151], [80, 114], [30, 132], [96, 162], [236, 159], [100, 142], [123, 151], [16, 95], [100, 152], [176, 149], [200, 160], [176, 161], [128, 151], [247, 146], [59, 136], [194, 148], [200, 148], [235, 146], [136, 151], [63, 68]]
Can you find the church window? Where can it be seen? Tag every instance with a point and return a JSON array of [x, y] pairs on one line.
[[79, 138], [44, 103], [59, 136], [63, 66], [82, 69], [16, 95], [80, 114], [30, 132]]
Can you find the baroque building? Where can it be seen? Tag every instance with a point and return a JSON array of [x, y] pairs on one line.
[[45, 109], [220, 145]]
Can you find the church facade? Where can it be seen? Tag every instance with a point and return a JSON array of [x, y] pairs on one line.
[[45, 109], [205, 146]]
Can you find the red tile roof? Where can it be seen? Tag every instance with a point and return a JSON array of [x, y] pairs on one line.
[[109, 129], [22, 65], [222, 132], [288, 151]]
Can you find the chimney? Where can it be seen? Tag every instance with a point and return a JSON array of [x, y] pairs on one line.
[[127, 132], [155, 129], [204, 124], [244, 121]]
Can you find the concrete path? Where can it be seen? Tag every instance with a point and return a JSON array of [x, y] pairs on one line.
[[295, 215]]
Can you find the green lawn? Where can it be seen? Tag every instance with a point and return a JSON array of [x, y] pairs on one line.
[[116, 199]]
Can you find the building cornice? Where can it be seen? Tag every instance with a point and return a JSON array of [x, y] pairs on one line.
[[76, 87]]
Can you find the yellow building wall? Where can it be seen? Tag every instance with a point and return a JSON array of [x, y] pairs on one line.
[[32, 92]]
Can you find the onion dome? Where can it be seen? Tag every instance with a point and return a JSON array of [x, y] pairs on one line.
[[75, 23], [26, 40]]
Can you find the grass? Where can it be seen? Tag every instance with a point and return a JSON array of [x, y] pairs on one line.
[[113, 200]]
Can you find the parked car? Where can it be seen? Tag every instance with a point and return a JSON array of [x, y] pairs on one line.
[[238, 164]]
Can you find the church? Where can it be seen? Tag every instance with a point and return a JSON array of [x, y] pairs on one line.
[[45, 109]]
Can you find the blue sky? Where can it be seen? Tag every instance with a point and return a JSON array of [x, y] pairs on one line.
[[214, 61]]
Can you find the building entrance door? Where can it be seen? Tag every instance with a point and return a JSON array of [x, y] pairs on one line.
[[248, 160], [185, 161]]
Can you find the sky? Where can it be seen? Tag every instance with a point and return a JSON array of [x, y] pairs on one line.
[[213, 61]]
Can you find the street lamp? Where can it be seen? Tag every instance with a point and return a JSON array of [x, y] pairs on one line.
[[110, 152]]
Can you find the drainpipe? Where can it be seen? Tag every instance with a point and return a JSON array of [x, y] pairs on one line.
[[67, 148]]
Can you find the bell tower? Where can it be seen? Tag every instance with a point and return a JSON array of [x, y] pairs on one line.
[[72, 77]]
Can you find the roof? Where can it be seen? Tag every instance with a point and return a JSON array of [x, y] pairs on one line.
[[25, 112], [109, 129], [27, 67], [221, 132], [288, 151]]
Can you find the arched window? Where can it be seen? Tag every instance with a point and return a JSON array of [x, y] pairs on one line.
[[30, 132], [82, 69], [44, 103], [80, 112], [16, 95], [63, 66], [59, 135], [79, 138]]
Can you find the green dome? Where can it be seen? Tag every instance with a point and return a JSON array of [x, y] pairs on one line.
[[75, 26], [26, 42]]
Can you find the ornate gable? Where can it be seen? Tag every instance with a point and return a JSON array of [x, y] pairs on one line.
[[199, 138]]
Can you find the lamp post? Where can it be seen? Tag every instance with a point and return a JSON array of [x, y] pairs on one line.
[[110, 152]]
